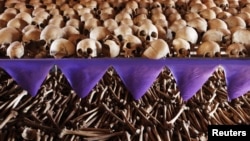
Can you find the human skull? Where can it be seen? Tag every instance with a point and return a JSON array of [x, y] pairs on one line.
[[90, 24], [12, 35], [181, 47], [32, 34], [88, 48], [69, 31], [15, 50], [110, 24], [111, 47], [234, 21], [17, 23], [197, 7], [222, 4], [25, 16], [223, 15], [217, 23], [208, 49], [51, 33], [61, 48], [156, 49], [132, 46], [221, 36], [148, 32], [208, 14], [122, 31], [187, 33], [99, 33], [236, 50], [200, 24]]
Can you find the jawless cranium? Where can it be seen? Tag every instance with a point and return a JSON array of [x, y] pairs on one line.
[[148, 32], [208, 49], [181, 47], [237, 50], [88, 48], [132, 46]]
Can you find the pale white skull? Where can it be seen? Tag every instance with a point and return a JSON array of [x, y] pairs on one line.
[[15, 50], [236, 50], [88, 48], [132, 46], [148, 32], [61, 48], [181, 47], [157, 49], [208, 49]]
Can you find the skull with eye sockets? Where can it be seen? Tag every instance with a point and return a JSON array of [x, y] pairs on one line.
[[132, 46], [88, 48], [181, 47], [237, 50], [148, 32]]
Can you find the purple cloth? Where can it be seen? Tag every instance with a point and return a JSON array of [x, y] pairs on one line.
[[137, 74]]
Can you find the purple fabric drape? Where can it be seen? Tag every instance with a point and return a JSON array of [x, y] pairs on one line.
[[137, 74]]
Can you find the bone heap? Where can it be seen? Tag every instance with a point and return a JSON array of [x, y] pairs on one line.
[[130, 28], [116, 28]]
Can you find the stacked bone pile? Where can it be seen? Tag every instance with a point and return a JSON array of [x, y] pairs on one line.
[[109, 112], [151, 29]]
